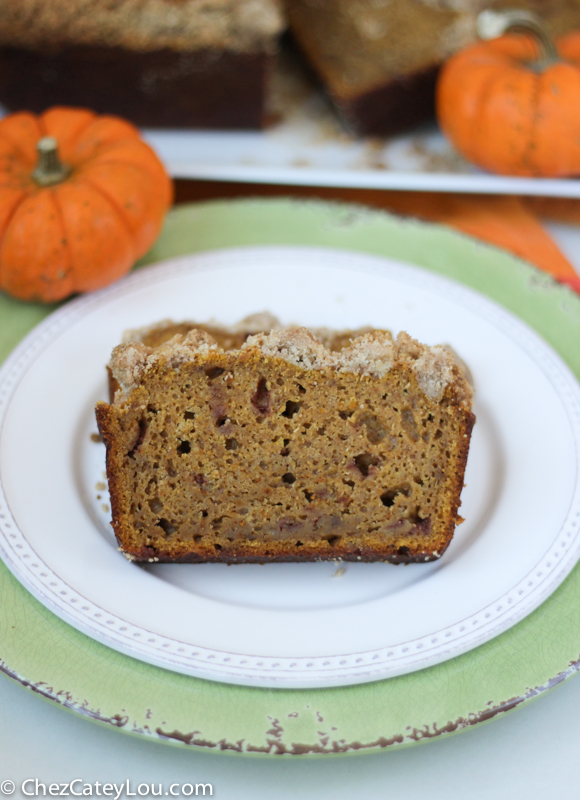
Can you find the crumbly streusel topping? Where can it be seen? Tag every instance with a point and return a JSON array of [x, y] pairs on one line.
[[370, 354], [296, 345], [142, 25], [253, 323], [373, 353]]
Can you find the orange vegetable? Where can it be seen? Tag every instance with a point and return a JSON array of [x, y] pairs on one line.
[[512, 105], [82, 197]]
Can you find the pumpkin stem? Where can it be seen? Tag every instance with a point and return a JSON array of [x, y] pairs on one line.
[[49, 168], [491, 24]]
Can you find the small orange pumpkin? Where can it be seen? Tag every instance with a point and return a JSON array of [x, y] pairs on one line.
[[78, 222], [508, 110]]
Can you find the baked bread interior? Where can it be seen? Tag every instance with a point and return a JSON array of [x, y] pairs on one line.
[[284, 446]]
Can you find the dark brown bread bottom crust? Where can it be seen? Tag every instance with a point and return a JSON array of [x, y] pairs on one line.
[[360, 555], [393, 107], [161, 88], [388, 109]]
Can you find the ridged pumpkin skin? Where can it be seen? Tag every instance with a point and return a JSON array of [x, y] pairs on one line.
[[506, 118], [87, 231]]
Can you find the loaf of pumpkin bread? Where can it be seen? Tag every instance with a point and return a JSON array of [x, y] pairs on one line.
[[284, 446], [379, 59], [160, 63]]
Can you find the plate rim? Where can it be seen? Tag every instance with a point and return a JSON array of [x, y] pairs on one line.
[[273, 671], [380, 720], [382, 179]]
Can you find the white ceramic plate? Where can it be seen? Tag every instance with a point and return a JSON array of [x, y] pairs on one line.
[[309, 146], [290, 625], [301, 153]]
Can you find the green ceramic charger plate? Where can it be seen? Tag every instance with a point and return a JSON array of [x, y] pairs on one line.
[[49, 657]]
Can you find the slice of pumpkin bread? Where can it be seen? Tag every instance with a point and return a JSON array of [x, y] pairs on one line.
[[285, 449]]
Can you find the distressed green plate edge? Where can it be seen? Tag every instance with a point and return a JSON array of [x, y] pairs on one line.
[[49, 657]]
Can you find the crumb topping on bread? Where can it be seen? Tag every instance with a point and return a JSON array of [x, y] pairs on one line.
[[142, 25], [128, 363], [434, 371], [253, 323], [295, 345], [372, 353]]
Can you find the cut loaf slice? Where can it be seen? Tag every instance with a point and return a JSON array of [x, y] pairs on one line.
[[285, 449]]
